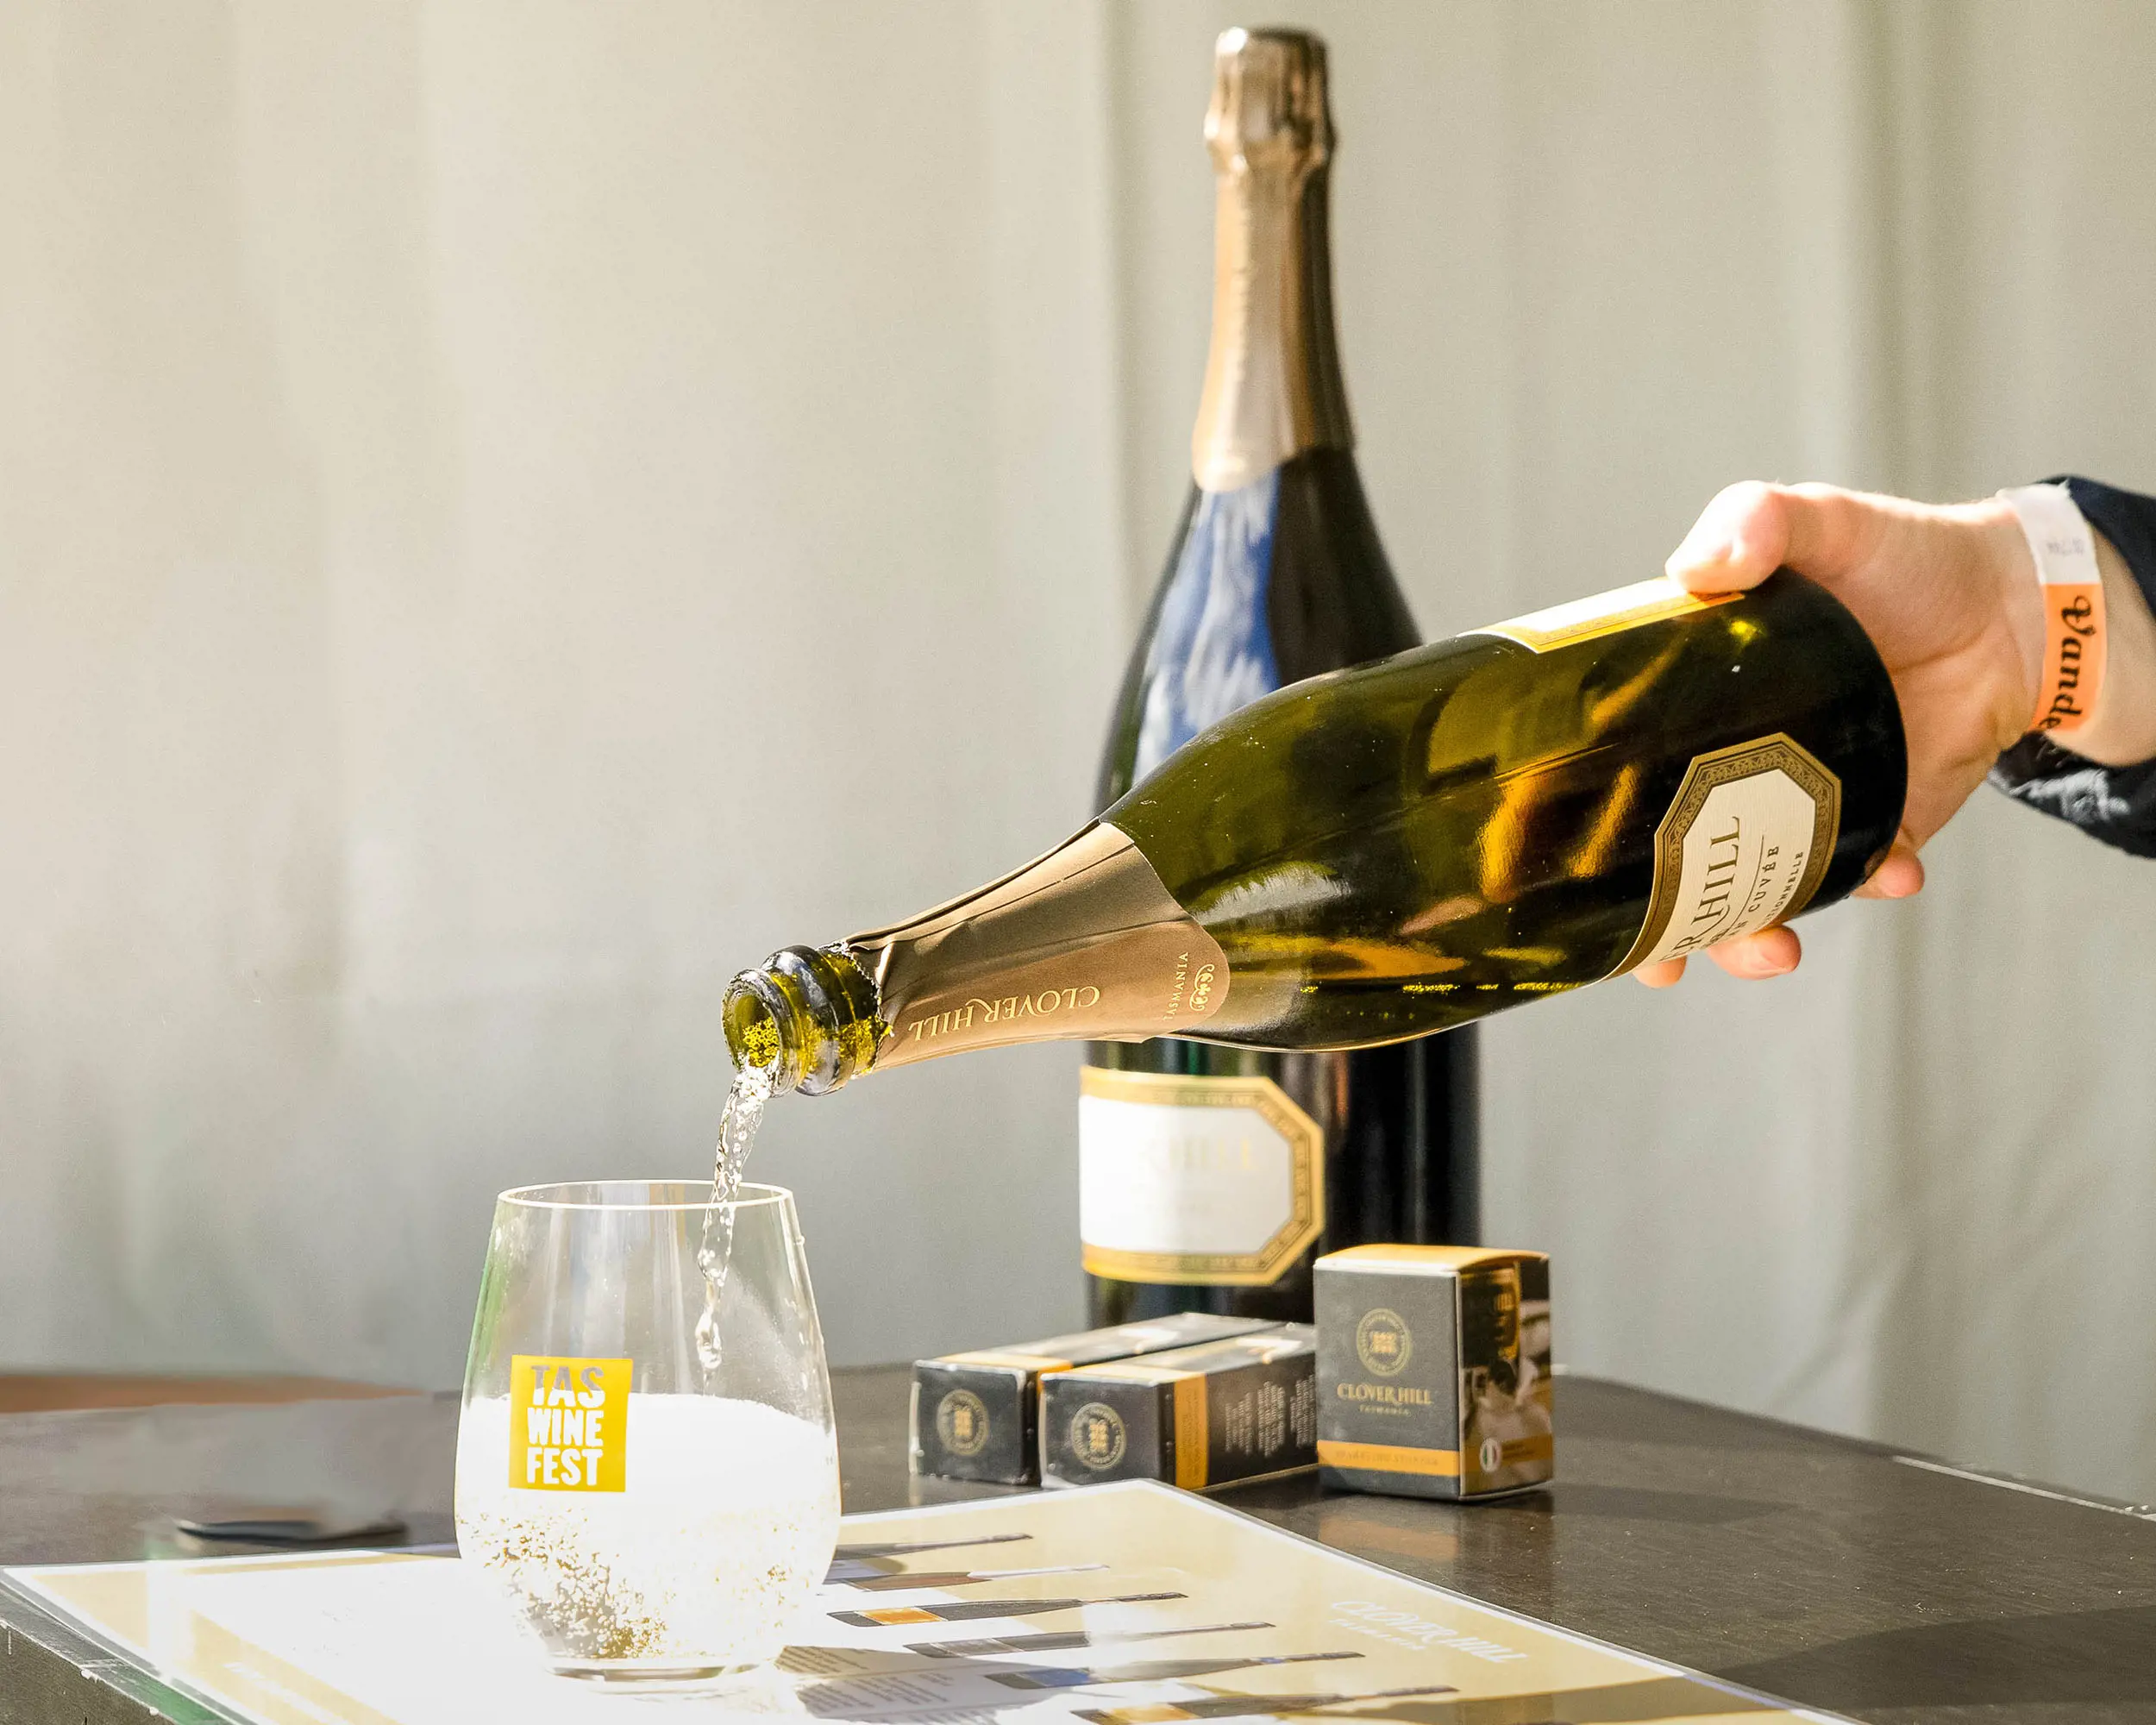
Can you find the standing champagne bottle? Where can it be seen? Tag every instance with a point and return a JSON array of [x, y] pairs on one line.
[[1210, 1177]]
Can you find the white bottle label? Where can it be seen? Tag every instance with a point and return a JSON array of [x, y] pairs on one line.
[[1216, 1181], [1745, 846]]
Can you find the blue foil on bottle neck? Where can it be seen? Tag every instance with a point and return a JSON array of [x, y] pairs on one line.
[[1212, 651]]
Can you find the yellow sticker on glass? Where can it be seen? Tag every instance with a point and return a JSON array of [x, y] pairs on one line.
[[569, 1423]]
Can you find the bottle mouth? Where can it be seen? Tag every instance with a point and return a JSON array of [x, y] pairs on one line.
[[806, 1015], [763, 1029], [752, 1025]]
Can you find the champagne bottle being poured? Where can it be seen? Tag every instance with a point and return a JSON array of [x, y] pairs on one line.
[[1383, 852]]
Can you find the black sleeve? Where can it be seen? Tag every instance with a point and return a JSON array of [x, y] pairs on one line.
[[2115, 804]]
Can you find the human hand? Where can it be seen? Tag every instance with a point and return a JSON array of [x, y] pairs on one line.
[[1949, 596]]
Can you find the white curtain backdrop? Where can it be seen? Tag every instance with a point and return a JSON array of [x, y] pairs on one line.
[[508, 512]]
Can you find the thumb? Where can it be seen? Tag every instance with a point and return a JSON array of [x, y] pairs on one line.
[[1740, 539]]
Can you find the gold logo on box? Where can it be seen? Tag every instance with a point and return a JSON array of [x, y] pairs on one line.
[[961, 1421], [1097, 1437], [1383, 1343]]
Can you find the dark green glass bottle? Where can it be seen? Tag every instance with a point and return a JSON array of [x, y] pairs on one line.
[[1211, 1178], [1376, 854]]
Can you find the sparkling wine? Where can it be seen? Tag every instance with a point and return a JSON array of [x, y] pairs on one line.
[[723, 1528], [737, 1126]]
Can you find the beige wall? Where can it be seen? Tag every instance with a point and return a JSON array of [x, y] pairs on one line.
[[507, 512]]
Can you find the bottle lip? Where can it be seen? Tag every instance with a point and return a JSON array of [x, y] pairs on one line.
[[807, 1016], [763, 1031]]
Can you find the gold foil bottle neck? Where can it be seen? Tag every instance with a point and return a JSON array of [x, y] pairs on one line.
[[1272, 386], [1268, 107]]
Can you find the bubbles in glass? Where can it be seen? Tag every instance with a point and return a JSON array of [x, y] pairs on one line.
[[651, 1520]]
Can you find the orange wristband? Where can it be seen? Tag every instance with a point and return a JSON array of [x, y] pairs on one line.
[[2065, 553]]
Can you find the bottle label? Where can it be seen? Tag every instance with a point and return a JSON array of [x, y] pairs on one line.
[[1601, 614], [1745, 846], [1217, 1181], [1084, 942]]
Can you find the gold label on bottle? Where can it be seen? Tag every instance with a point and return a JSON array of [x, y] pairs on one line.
[[1217, 1181], [1084, 942], [1744, 846], [1272, 387], [1606, 613]]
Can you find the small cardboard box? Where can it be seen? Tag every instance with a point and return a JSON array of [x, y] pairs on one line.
[[1433, 1371], [1213, 1414], [974, 1413]]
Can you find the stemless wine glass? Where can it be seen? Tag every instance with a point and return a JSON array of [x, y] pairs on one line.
[[656, 1521]]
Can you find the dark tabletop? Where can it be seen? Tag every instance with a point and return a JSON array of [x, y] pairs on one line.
[[1829, 1572]]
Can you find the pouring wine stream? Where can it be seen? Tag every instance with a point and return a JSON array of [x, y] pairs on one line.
[[738, 1126]]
